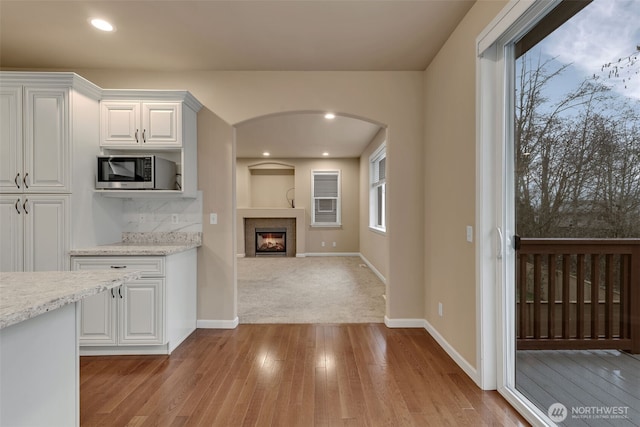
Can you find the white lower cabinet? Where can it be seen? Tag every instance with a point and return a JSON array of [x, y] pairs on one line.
[[150, 315], [128, 315], [34, 232], [141, 312]]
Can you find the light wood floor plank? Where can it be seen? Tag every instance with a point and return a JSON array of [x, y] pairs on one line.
[[290, 375]]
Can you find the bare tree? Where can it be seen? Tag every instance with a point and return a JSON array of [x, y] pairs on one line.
[[577, 157]]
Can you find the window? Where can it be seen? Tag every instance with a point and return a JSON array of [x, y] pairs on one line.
[[378, 190], [325, 198]]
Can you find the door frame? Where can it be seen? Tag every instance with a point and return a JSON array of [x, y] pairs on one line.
[[495, 210]]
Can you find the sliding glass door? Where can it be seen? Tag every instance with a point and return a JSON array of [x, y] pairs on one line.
[[574, 169]]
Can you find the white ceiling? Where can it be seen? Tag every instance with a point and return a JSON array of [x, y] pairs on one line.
[[292, 35], [275, 35], [304, 135]]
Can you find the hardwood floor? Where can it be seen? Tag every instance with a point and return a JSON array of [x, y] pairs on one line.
[[290, 375]]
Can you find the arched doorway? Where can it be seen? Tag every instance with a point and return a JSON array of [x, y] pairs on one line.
[[280, 159]]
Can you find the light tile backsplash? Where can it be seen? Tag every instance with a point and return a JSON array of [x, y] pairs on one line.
[[145, 215]]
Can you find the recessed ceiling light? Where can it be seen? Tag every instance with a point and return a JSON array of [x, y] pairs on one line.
[[102, 25], [325, 154], [266, 154], [330, 116]]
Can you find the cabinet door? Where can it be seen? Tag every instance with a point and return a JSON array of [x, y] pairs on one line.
[[98, 318], [120, 123], [46, 225], [10, 139], [11, 233], [162, 124], [47, 150], [141, 312]]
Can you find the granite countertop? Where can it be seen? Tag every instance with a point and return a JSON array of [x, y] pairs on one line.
[[152, 243], [126, 249], [29, 294]]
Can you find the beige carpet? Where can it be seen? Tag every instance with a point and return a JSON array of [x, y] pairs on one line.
[[308, 290]]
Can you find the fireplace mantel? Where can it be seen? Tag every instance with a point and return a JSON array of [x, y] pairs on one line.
[[297, 213]]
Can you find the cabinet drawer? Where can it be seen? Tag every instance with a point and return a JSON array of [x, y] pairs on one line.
[[149, 266]]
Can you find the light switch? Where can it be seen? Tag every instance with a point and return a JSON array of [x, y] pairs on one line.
[[469, 233], [213, 218]]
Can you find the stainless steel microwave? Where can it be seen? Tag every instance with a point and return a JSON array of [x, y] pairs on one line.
[[135, 172]]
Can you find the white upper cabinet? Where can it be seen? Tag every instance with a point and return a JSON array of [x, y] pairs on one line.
[[120, 123], [160, 122], [10, 138], [47, 159], [141, 125], [34, 140]]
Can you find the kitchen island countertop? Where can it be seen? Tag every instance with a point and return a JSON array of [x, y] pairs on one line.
[[24, 295]]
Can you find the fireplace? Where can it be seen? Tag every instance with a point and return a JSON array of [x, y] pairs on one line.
[[269, 225], [271, 241]]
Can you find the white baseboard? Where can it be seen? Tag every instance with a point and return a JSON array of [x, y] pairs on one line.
[[460, 361], [403, 323], [301, 255], [240, 255], [218, 324], [123, 351], [375, 270], [332, 254]]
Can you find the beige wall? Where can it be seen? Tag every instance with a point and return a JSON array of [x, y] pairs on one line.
[[391, 98], [431, 165], [374, 246], [450, 182], [270, 190], [217, 256], [347, 236]]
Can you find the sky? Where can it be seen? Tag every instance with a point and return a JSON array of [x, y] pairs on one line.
[[602, 33]]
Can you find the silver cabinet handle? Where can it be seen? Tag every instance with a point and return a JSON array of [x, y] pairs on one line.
[[137, 136], [17, 205], [26, 175], [24, 206], [17, 180], [144, 135]]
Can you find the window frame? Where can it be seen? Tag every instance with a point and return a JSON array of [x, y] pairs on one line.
[[375, 184], [495, 356], [337, 200]]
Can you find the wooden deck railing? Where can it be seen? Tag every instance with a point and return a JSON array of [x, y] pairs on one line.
[[578, 294]]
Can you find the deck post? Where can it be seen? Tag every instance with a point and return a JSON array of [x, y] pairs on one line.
[[634, 295]]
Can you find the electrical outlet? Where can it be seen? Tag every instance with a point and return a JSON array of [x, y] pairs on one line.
[[334, 244], [440, 309], [213, 218], [141, 218], [323, 244], [174, 218]]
